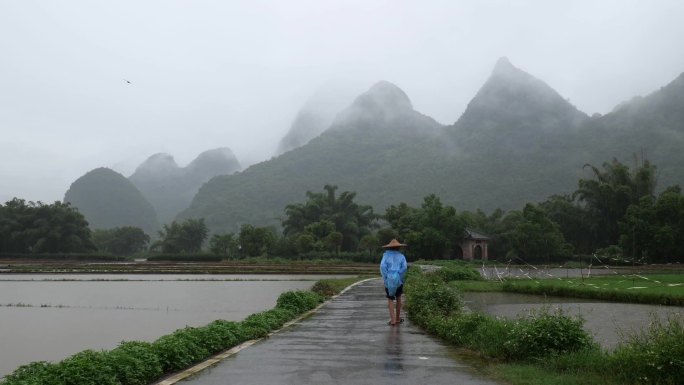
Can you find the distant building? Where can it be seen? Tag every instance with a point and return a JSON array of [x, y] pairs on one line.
[[474, 246]]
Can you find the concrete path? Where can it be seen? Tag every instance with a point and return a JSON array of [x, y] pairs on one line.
[[347, 341]]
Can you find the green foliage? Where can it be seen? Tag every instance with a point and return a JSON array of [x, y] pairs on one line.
[[534, 237], [121, 240], [41, 228], [135, 363], [178, 350], [184, 237], [333, 222], [35, 373], [609, 194], [654, 356], [86, 368], [653, 229], [256, 241], [435, 306], [556, 343], [433, 231], [226, 245], [430, 297], [299, 301], [574, 221], [541, 334]]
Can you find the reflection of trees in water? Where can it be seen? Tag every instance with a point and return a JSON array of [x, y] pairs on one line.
[[393, 353]]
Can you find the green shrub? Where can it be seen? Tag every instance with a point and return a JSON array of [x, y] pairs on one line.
[[35, 373], [654, 356], [299, 301], [428, 296], [541, 334], [256, 326], [135, 363], [85, 368], [324, 287], [228, 333], [490, 336], [178, 350]]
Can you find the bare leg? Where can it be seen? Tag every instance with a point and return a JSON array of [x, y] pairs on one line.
[[390, 305], [398, 317]]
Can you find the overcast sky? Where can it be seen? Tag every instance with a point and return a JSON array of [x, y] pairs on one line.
[[207, 74]]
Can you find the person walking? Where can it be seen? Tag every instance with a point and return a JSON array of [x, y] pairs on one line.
[[393, 268]]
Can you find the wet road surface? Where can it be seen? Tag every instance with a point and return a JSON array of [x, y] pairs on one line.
[[347, 341]]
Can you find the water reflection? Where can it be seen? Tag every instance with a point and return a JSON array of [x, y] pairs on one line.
[[394, 358]]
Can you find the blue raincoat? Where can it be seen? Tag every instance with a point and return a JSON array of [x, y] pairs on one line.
[[393, 268]]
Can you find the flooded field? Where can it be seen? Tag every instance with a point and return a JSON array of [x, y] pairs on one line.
[[49, 317], [606, 321]]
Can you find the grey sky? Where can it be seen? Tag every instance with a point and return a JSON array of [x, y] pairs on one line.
[[207, 74]]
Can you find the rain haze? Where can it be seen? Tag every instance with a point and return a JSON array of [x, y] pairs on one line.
[[88, 84]]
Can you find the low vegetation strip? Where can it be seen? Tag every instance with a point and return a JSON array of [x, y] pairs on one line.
[[650, 289], [141, 363], [545, 344]]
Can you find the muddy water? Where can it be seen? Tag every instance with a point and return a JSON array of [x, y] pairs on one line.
[[51, 319], [608, 322]]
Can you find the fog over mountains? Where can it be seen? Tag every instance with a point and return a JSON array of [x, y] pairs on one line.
[[518, 141], [170, 188], [156, 192]]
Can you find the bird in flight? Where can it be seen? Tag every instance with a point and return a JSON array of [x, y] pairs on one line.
[[127, 81]]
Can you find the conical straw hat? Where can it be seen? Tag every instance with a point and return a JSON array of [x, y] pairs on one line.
[[393, 243]]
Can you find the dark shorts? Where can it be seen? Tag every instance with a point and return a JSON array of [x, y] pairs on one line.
[[400, 291]]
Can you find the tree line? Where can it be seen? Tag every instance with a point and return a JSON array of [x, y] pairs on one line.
[[614, 213]]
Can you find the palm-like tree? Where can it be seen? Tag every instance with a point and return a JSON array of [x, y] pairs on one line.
[[351, 220]]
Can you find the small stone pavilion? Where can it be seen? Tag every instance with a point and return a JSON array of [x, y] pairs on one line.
[[474, 246]]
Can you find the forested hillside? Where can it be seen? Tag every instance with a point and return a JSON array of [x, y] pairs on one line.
[[107, 200], [518, 141], [170, 188]]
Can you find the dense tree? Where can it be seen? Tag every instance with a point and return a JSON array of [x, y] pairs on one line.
[[432, 231], [185, 237], [371, 243], [325, 213], [256, 241], [608, 195], [125, 240], [575, 222], [42, 228], [226, 245], [653, 230], [534, 237]]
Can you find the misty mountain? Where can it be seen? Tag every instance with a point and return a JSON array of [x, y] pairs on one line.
[[369, 148], [511, 143], [512, 109], [107, 200], [314, 117], [170, 188], [652, 126], [518, 141]]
